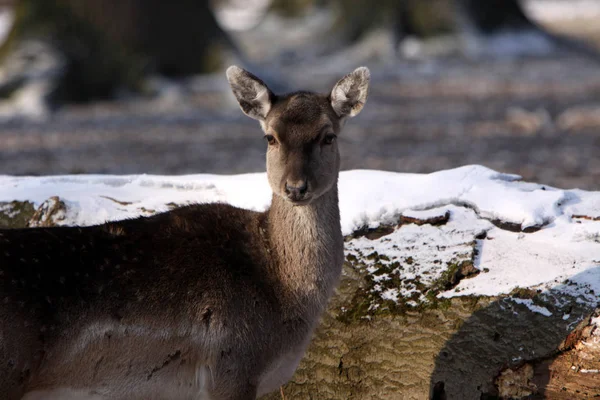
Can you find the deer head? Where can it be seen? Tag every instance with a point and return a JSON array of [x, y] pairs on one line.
[[301, 130]]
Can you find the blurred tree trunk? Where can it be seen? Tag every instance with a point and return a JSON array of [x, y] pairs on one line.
[[491, 16], [112, 44], [427, 18]]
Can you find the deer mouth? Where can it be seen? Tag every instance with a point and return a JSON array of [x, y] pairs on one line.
[[299, 200]]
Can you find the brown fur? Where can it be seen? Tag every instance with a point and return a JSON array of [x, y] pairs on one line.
[[205, 300]]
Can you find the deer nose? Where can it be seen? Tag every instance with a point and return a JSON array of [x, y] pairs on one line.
[[296, 190]]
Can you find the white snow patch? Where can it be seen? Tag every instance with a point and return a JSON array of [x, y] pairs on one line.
[[544, 259], [390, 294], [7, 17], [582, 204], [418, 255], [533, 307], [371, 198], [563, 256], [553, 10], [241, 15], [589, 371], [95, 199], [425, 214]]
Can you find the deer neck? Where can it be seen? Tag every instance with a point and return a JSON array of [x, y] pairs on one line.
[[307, 244]]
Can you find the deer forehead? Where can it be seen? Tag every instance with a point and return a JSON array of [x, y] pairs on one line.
[[300, 118]]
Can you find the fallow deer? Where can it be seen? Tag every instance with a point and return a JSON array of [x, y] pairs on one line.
[[206, 301]]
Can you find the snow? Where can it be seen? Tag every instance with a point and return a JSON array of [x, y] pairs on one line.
[[418, 254], [589, 371], [94, 199], [6, 20], [533, 307], [488, 211], [552, 10], [491, 194], [544, 259], [241, 15]]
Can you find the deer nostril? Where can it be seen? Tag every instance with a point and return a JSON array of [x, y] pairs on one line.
[[296, 189]]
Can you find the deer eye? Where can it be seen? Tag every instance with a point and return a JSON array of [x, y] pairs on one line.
[[329, 138], [270, 139]]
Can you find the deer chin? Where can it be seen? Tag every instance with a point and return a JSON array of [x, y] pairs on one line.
[[301, 202], [297, 201]]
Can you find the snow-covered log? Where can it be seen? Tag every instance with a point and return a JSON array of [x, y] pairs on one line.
[[459, 284]]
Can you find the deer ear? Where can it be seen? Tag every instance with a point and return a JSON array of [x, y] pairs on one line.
[[252, 94], [349, 95]]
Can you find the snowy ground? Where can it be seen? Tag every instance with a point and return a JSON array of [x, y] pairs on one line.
[[552, 10], [6, 19], [536, 117], [515, 234]]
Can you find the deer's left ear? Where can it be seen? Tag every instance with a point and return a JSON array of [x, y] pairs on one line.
[[349, 95], [252, 94]]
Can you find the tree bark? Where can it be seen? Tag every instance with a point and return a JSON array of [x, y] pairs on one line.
[[427, 18], [107, 45], [492, 16]]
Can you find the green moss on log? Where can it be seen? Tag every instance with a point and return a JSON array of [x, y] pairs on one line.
[[524, 293], [366, 303], [15, 214]]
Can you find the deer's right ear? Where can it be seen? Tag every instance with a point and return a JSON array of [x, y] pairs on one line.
[[252, 94], [349, 95]]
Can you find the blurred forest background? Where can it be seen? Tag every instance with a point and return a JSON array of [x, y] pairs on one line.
[[138, 86]]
